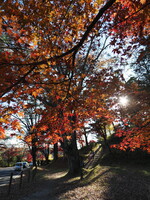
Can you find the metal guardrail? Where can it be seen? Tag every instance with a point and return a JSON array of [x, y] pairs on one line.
[[29, 174]]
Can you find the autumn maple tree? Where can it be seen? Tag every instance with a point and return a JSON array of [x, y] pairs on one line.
[[134, 127], [24, 125], [56, 52], [9, 154]]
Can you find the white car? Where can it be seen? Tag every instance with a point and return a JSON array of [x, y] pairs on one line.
[[31, 164], [26, 165], [19, 166]]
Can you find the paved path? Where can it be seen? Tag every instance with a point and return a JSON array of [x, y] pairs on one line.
[[47, 190]]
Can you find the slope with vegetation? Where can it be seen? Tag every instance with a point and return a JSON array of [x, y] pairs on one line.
[[113, 177]]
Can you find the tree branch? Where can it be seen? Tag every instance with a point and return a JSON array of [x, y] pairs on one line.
[[74, 49]]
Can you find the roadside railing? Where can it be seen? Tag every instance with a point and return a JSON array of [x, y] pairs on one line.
[[16, 183]]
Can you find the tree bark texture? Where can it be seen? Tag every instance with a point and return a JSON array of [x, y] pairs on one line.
[[72, 153]]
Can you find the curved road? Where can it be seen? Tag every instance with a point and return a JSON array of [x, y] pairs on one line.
[[5, 175]]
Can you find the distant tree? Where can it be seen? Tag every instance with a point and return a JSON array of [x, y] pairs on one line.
[[27, 118], [134, 117], [142, 65], [100, 127], [9, 155]]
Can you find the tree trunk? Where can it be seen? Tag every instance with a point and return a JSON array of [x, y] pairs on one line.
[[72, 153], [55, 151], [33, 152], [45, 151], [106, 144], [47, 155], [86, 140], [73, 162]]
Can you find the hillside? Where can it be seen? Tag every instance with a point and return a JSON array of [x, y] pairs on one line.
[[109, 179]]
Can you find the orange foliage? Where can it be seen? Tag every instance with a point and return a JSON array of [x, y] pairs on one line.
[[43, 45], [135, 132], [2, 133]]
